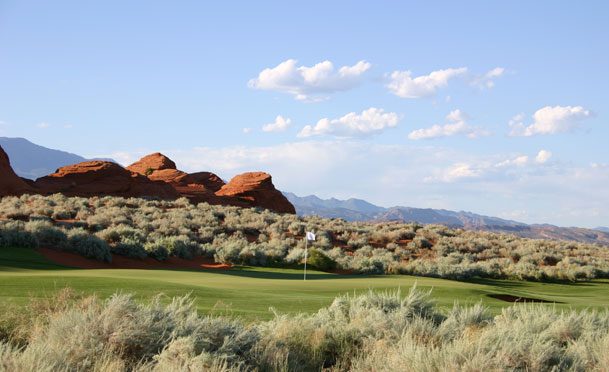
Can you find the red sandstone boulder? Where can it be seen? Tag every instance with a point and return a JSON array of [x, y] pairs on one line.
[[257, 190], [97, 178], [10, 183], [150, 163], [171, 176], [209, 180]]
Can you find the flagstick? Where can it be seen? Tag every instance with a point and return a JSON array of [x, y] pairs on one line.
[[306, 248]]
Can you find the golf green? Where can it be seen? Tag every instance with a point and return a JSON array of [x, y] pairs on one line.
[[250, 292]]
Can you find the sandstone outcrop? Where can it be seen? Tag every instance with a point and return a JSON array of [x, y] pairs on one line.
[[150, 163], [257, 189], [97, 178], [10, 183], [153, 176]]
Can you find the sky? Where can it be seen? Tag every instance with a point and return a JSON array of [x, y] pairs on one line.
[[499, 107]]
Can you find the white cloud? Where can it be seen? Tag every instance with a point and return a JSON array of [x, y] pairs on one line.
[[402, 84], [460, 171], [487, 80], [457, 124], [496, 167], [246, 130], [518, 161], [549, 120], [43, 125], [543, 156], [279, 125], [309, 83], [369, 122]]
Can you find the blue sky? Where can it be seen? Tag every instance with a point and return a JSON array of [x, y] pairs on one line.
[[122, 79]]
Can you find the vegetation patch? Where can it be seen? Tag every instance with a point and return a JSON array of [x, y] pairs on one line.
[[103, 227], [368, 332]]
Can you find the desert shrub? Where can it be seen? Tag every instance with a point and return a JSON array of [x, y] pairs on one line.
[[87, 245], [161, 228], [117, 234], [129, 247], [366, 332], [320, 260], [13, 234], [157, 250], [47, 235], [179, 246], [229, 253]]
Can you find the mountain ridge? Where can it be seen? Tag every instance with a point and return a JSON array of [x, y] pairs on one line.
[[335, 208]]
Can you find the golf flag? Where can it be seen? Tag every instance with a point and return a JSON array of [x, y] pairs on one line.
[[310, 235]]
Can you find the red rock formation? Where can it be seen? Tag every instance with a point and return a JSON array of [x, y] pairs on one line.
[[197, 187], [209, 180], [10, 183], [94, 178], [257, 190], [172, 176], [150, 163], [156, 176]]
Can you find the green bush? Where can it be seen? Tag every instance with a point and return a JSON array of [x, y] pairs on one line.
[[157, 250], [48, 236], [319, 260], [12, 234], [130, 248], [89, 246]]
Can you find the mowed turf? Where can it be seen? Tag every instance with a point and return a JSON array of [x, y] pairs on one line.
[[249, 292]]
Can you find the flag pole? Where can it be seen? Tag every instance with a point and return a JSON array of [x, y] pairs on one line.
[[306, 248]]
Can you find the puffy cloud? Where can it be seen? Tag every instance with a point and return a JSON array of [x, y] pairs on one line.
[[246, 130], [487, 80], [309, 83], [518, 161], [402, 84], [543, 156], [43, 125], [279, 125], [457, 124], [549, 120], [369, 122], [497, 168], [460, 171]]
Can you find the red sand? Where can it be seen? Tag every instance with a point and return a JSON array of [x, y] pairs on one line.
[[121, 262]]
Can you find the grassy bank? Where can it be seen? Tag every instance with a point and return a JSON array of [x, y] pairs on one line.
[[249, 292]]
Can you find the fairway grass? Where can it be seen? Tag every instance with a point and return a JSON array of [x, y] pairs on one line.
[[250, 292]]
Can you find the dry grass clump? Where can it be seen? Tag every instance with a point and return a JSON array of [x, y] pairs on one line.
[[141, 228], [369, 332]]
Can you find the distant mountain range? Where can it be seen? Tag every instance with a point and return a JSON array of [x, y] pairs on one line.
[[361, 210], [33, 161]]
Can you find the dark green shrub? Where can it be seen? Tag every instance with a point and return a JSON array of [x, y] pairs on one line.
[[89, 246], [157, 250], [179, 246], [320, 260], [130, 248], [16, 238], [48, 236]]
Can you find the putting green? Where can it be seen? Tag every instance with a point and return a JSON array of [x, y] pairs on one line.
[[250, 292]]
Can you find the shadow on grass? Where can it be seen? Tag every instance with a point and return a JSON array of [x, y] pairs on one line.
[[514, 284], [245, 271], [16, 259]]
